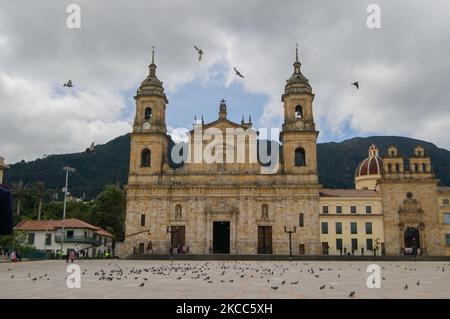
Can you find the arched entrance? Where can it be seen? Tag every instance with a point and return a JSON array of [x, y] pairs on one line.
[[412, 238]]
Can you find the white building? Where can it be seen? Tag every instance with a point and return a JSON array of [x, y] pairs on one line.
[[46, 235]]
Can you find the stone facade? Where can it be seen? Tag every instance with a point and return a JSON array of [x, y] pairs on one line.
[[239, 207]]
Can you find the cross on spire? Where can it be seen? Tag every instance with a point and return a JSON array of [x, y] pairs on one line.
[[153, 54]]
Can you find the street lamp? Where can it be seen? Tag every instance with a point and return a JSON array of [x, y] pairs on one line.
[[45, 236], [67, 169], [290, 232]]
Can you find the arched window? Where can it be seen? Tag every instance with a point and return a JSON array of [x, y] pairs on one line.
[[390, 167], [300, 157], [178, 212], [148, 113], [298, 112], [145, 157], [424, 167], [264, 211], [397, 167], [416, 167]]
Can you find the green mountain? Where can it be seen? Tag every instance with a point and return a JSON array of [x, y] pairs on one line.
[[109, 164]]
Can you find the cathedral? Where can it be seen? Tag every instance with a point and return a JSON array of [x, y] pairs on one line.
[[209, 205]]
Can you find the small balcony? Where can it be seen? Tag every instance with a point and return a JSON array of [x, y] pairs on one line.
[[79, 240]]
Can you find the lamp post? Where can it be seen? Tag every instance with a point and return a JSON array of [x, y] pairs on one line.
[[67, 169], [171, 231], [45, 236], [290, 232]]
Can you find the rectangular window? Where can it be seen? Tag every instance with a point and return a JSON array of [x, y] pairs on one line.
[[338, 243], [105, 240], [301, 249], [31, 238], [85, 234], [338, 209], [369, 244], [69, 234], [324, 209], [447, 240], [368, 209], [324, 228], [301, 219], [447, 218], [338, 228], [354, 244], [369, 228], [353, 228], [142, 220], [353, 209], [445, 201], [48, 239]]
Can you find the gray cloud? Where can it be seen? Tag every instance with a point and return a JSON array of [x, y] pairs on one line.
[[401, 67]]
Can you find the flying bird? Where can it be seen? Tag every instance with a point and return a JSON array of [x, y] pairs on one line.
[[356, 84], [68, 84], [199, 51], [238, 73], [90, 149]]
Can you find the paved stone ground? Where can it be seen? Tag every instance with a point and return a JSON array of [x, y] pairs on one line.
[[223, 279]]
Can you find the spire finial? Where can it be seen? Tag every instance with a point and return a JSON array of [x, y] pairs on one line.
[[296, 52], [153, 54]]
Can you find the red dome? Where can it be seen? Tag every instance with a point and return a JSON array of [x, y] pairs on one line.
[[371, 165]]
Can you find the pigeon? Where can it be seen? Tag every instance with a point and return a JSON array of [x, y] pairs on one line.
[[284, 281], [406, 286], [199, 51], [141, 285], [418, 283], [238, 73], [90, 149], [274, 287], [68, 84], [356, 84], [12, 276], [294, 282], [323, 286], [352, 294]]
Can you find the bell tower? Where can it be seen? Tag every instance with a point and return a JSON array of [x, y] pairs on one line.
[[149, 141], [299, 135]]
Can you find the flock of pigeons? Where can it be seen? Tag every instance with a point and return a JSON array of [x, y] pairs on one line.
[[275, 275]]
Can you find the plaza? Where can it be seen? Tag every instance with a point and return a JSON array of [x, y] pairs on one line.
[[109, 279]]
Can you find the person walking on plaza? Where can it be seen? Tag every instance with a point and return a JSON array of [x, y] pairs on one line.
[[71, 255]]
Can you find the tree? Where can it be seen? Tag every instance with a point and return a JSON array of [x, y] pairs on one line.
[[19, 191], [108, 210], [39, 193]]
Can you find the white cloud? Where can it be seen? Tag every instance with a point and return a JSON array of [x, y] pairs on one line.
[[401, 67]]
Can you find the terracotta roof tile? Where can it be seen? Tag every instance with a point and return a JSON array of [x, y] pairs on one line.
[[54, 224]]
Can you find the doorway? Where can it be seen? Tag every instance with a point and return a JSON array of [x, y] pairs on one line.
[[221, 237], [412, 241], [178, 237], [264, 239]]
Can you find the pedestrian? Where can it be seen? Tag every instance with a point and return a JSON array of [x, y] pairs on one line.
[[72, 255], [418, 251], [13, 256]]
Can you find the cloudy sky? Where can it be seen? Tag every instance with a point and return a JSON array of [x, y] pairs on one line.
[[402, 67]]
